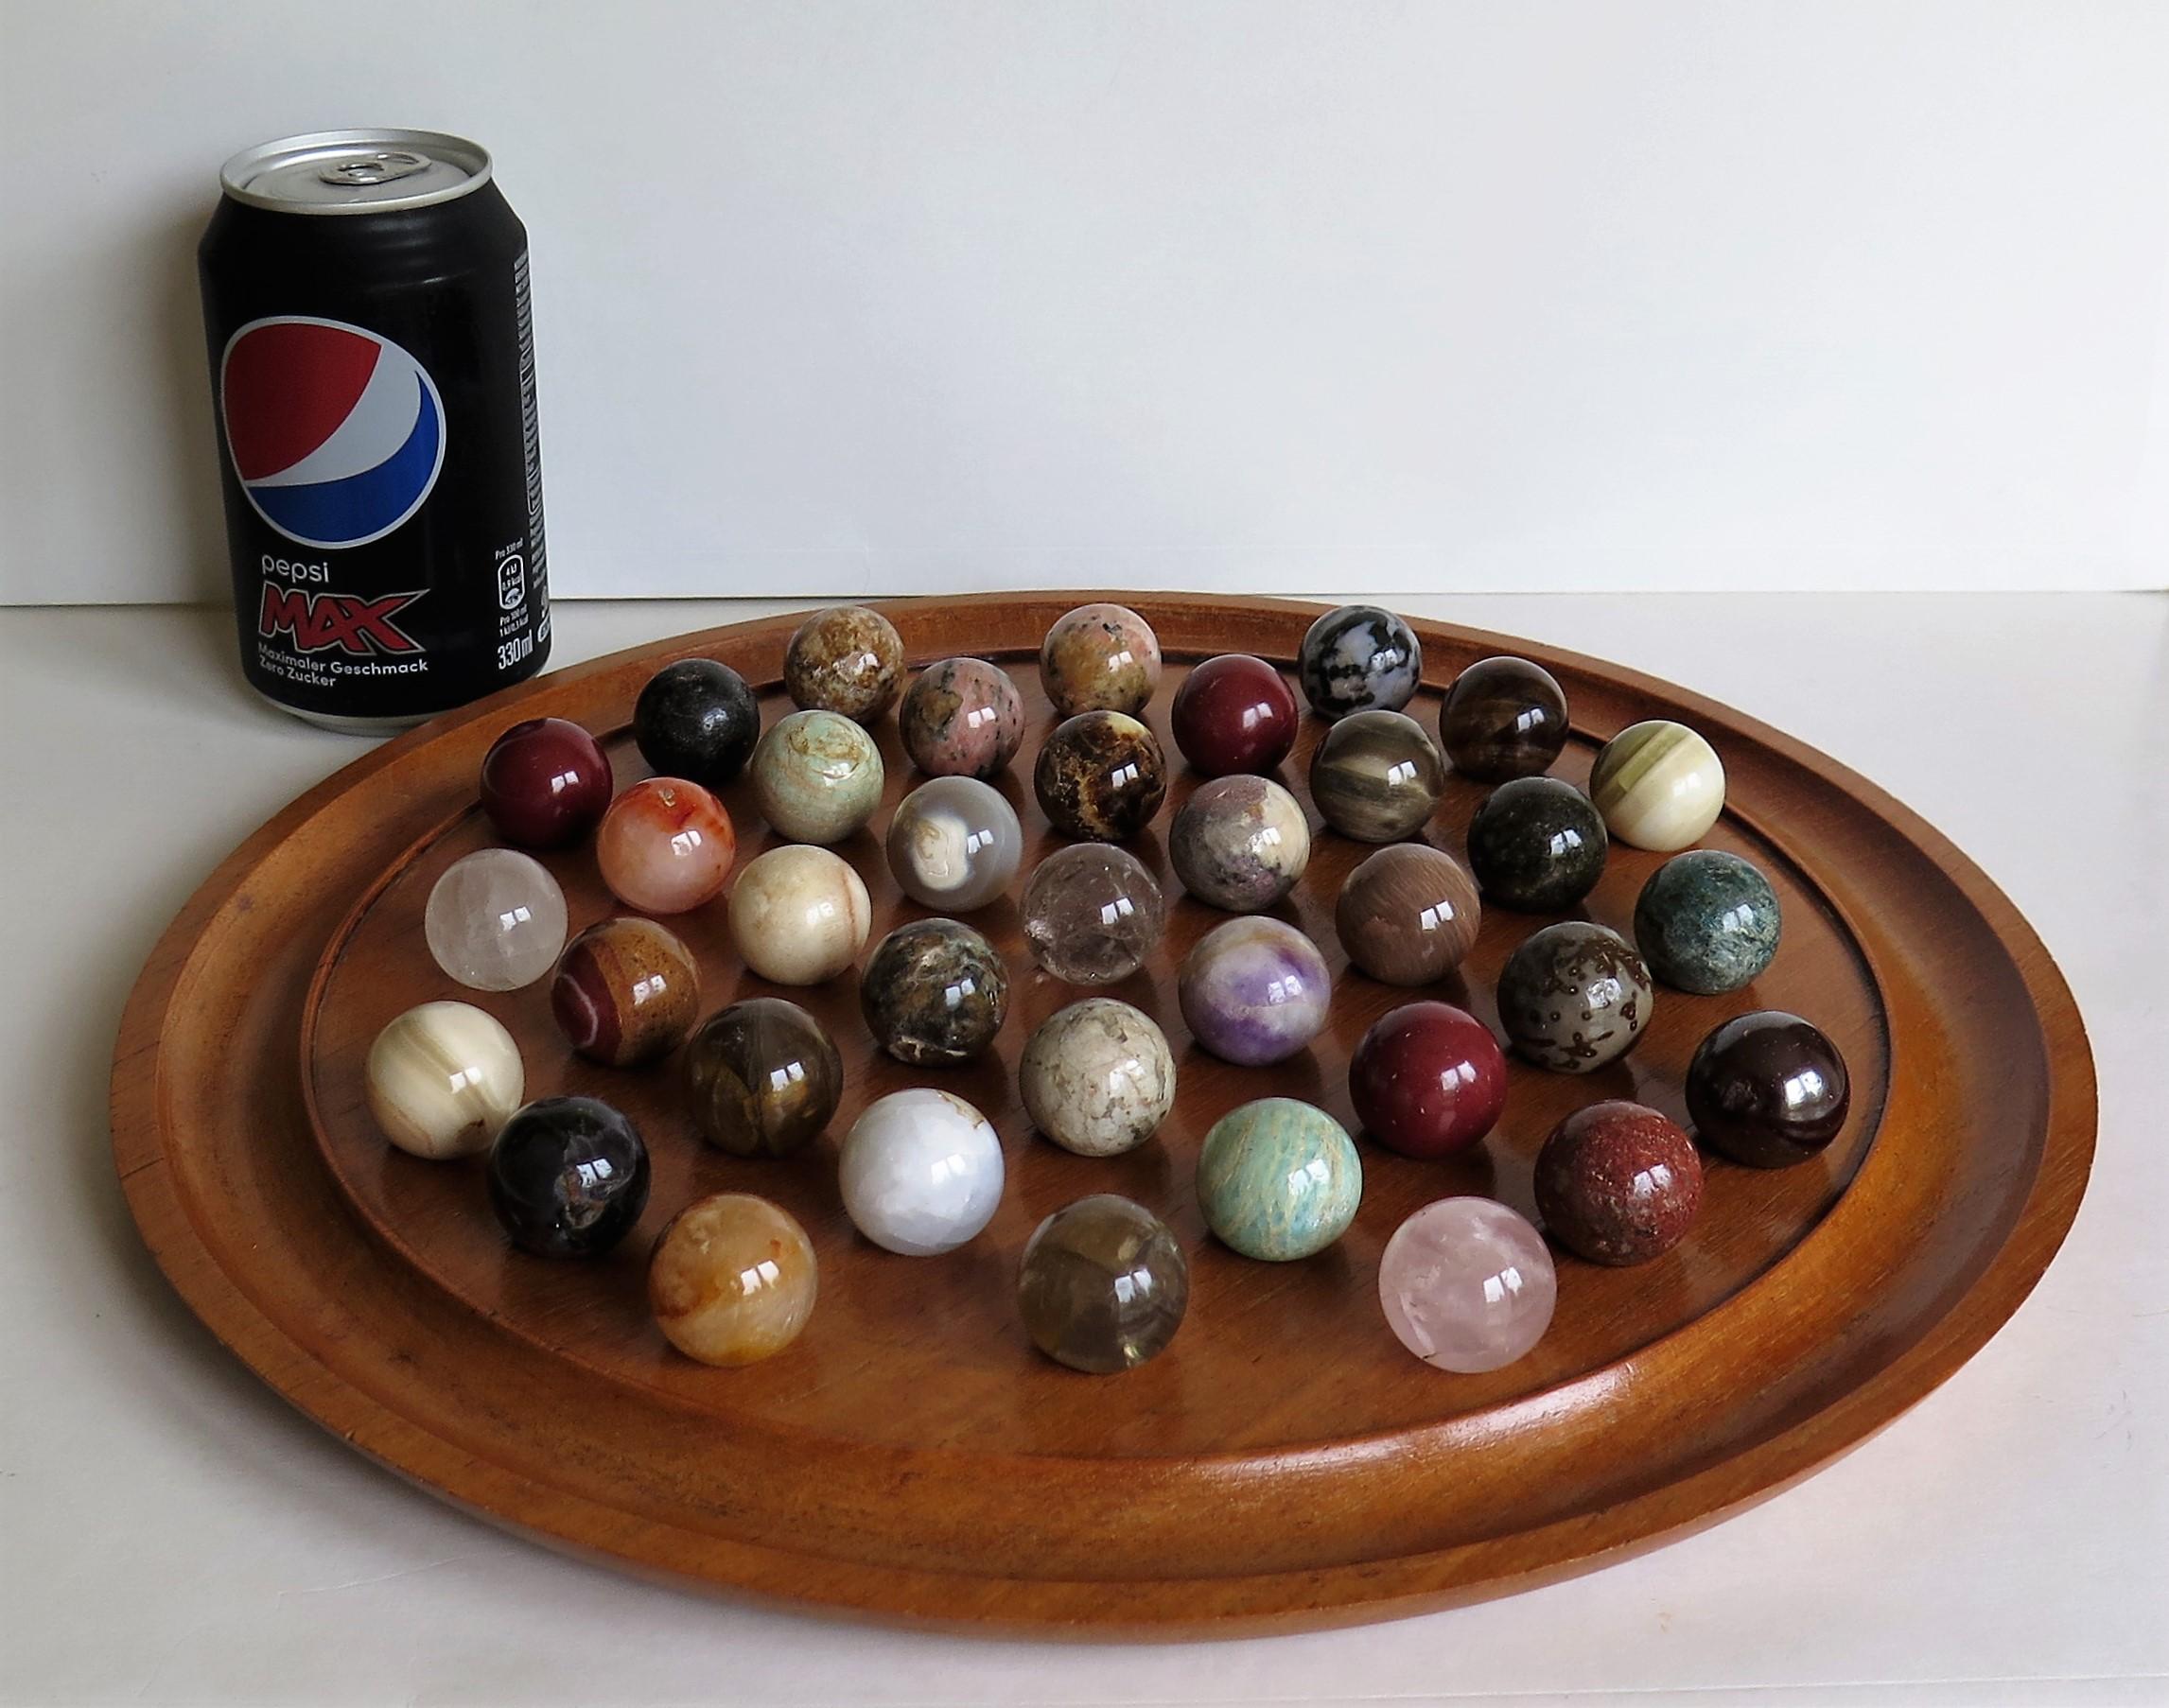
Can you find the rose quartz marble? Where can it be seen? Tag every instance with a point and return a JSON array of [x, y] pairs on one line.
[[1467, 1284]]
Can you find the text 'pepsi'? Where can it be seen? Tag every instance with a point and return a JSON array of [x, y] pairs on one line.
[[366, 300]]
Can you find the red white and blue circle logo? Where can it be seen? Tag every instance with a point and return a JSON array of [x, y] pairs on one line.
[[336, 434]]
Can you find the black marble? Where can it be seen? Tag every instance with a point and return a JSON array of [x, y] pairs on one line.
[[698, 720], [1537, 843], [567, 1176], [1768, 1089]]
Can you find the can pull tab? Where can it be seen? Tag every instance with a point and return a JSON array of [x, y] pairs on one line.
[[360, 171]]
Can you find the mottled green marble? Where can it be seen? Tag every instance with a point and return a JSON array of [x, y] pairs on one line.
[[1707, 922], [1278, 1179]]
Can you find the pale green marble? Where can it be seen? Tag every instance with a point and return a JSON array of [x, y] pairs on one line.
[[1279, 1180]]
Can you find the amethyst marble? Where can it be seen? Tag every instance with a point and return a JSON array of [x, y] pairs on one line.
[[1255, 991]]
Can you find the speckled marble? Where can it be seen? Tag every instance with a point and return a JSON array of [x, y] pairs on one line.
[[1103, 1285], [1092, 913], [845, 660], [494, 920], [1768, 1089], [1279, 1180], [1239, 843], [1408, 913], [697, 718], [962, 716], [1616, 1183], [1356, 658], [1376, 777], [799, 914], [1100, 776], [1254, 990], [817, 777], [762, 1077], [935, 993], [1503, 717], [1574, 996], [1707, 922], [441, 1078], [1097, 1078], [1099, 658], [1467, 1285], [954, 845], [1659, 785], [1537, 845], [732, 1280]]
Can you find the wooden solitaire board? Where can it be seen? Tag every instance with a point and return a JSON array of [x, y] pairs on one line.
[[1285, 1462]]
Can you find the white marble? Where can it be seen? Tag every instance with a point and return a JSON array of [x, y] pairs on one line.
[[799, 914], [494, 920], [921, 1172], [1097, 1078], [441, 1078], [1659, 785]]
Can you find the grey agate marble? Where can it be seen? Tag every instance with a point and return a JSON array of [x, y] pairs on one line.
[[1239, 843], [1357, 658], [1707, 922]]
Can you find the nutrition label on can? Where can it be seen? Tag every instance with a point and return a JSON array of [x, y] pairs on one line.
[[530, 427]]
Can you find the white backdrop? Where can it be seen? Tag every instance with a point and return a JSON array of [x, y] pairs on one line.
[[840, 298]]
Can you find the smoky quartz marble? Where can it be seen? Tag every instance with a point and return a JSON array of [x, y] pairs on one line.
[[1537, 845], [1093, 913], [1503, 717], [762, 1077], [1103, 1287]]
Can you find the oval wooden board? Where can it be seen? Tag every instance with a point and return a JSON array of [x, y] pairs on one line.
[[1285, 1462]]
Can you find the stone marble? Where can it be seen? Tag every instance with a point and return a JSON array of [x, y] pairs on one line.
[[1103, 1285], [846, 660], [1503, 717], [1092, 913], [666, 846], [1427, 1079], [441, 1078], [1537, 845], [1239, 843], [921, 1172], [1768, 1089], [1618, 1183], [762, 1077], [1707, 922], [697, 718], [626, 991], [1253, 991], [935, 993], [1574, 997], [1097, 1078], [1100, 776], [1659, 785], [1467, 1285], [1408, 915], [1233, 713], [1376, 777], [1099, 658], [494, 920], [1357, 658], [817, 776], [954, 845], [567, 1176], [1279, 1180], [799, 914], [732, 1280], [545, 783], [962, 716]]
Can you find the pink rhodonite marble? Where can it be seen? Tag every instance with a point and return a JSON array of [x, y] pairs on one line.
[[1467, 1284]]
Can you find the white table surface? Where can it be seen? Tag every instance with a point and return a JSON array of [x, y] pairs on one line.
[[170, 1531]]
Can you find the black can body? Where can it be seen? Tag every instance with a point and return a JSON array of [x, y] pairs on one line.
[[374, 377]]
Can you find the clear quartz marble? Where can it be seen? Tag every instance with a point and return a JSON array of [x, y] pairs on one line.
[[1467, 1284], [954, 845], [496, 920], [1093, 913]]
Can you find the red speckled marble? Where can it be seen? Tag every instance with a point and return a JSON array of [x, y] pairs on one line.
[[1618, 1183]]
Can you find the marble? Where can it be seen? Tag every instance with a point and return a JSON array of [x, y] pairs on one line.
[[1360, 658], [1427, 1079], [1239, 843], [1253, 991], [848, 660], [1408, 915], [1707, 922], [1467, 1285], [954, 845], [921, 1172], [799, 914], [626, 991], [1768, 1089], [1376, 777], [1233, 714], [1097, 1078], [935, 993], [496, 920], [545, 783], [1659, 786], [1103, 1285], [1574, 996], [962, 716], [1618, 1183], [1099, 658], [666, 846], [1503, 717], [1537, 845], [441, 1078], [732, 1280], [1100, 776], [762, 1077], [1092, 913], [817, 776], [697, 718], [1279, 1180], [567, 1176]]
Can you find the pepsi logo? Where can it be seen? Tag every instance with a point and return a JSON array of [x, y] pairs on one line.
[[336, 434]]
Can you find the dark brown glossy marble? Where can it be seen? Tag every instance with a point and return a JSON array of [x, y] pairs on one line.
[[1768, 1089], [935, 993], [1408, 913], [1618, 1183], [1101, 777], [762, 1077], [1503, 717]]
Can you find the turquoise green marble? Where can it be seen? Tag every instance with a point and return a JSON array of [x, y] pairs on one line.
[[1279, 1180], [1706, 922]]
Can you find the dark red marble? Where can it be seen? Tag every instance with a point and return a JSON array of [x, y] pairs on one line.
[[545, 783], [1429, 1079], [1235, 713], [1767, 1090], [1618, 1183]]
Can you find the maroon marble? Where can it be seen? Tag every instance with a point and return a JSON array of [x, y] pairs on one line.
[[1767, 1090], [545, 783], [1235, 713], [1429, 1079], [1618, 1183]]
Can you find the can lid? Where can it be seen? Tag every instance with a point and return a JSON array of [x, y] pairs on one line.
[[356, 171]]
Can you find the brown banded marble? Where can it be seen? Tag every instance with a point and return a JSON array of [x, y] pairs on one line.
[[1503, 717], [626, 991], [1376, 777], [762, 1077], [1408, 913]]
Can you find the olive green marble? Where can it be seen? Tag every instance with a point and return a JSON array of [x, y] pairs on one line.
[[1103, 1285], [817, 777], [1279, 1180]]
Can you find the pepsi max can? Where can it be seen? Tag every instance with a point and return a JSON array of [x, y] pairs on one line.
[[365, 293]]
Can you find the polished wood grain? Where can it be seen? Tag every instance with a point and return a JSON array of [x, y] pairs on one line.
[[1285, 1462]]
